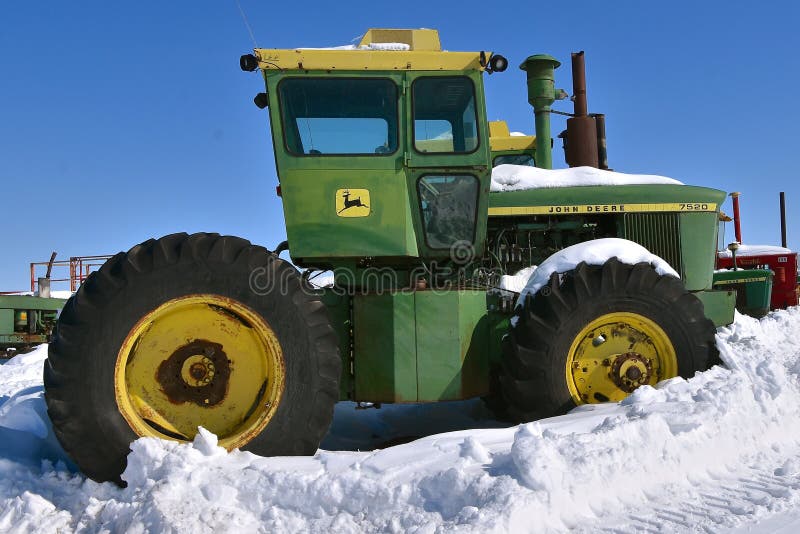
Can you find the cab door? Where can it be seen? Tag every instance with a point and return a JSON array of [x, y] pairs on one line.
[[447, 161]]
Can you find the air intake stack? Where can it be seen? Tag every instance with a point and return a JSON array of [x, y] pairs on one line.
[[540, 70]]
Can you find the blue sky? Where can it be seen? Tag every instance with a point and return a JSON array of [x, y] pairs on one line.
[[121, 122]]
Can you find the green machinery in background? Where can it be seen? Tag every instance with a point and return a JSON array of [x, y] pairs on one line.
[[26, 321], [753, 289], [384, 162], [510, 149]]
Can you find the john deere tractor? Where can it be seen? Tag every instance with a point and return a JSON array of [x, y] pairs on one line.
[[384, 165]]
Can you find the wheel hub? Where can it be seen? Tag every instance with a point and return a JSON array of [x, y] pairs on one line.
[[197, 372], [200, 360], [631, 370], [616, 353]]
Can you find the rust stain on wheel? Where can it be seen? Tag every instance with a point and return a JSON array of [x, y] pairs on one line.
[[200, 360]]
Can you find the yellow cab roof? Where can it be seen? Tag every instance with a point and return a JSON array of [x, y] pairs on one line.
[[379, 49], [500, 138]]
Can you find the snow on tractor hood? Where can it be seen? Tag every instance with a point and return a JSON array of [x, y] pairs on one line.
[[521, 177]]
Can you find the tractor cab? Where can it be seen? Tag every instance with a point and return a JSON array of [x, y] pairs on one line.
[[511, 149], [382, 149]]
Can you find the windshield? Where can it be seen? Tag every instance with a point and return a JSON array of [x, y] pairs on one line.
[[514, 159], [339, 116]]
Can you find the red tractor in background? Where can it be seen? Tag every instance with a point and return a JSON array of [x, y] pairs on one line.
[[780, 260]]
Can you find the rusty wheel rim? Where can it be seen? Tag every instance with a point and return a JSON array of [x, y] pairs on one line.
[[615, 354], [200, 360]]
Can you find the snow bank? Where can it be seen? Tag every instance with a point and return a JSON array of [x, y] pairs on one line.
[[708, 454], [26, 435], [756, 250], [519, 177]]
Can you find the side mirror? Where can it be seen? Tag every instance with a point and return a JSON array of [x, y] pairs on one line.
[[261, 100]]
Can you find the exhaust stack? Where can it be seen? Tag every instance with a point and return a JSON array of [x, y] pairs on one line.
[[783, 220], [737, 226], [580, 143], [44, 283]]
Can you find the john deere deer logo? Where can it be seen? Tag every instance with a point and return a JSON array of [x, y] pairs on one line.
[[352, 202]]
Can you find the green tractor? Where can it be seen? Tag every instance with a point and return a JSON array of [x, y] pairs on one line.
[[511, 149], [384, 164]]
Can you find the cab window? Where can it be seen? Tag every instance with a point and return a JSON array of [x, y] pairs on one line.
[[339, 116], [445, 120], [525, 160], [449, 205]]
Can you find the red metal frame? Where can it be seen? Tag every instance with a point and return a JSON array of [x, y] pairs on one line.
[[79, 268]]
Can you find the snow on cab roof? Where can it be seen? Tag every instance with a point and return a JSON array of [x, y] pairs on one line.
[[370, 46], [521, 177], [379, 49]]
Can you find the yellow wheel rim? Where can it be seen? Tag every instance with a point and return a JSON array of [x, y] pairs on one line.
[[200, 360], [616, 353]]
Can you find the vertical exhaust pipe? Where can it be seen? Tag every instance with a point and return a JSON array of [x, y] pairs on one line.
[[581, 139], [602, 154], [579, 84], [783, 220], [736, 220], [44, 283]]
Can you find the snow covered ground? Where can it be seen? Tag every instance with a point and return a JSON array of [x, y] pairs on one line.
[[717, 453]]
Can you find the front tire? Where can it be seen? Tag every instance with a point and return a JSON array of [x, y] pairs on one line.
[[596, 333], [187, 331]]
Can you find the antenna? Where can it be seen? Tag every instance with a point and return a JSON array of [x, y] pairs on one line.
[[247, 24]]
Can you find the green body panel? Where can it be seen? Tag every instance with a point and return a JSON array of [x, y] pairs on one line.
[[317, 233], [6, 322], [419, 346], [499, 325], [384, 347], [339, 309], [718, 305], [753, 289], [452, 345], [27, 302], [698, 249]]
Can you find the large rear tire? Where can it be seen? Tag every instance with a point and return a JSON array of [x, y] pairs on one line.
[[187, 331], [596, 333]]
